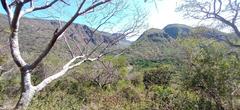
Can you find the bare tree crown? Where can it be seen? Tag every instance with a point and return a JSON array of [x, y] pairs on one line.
[[224, 11], [15, 10]]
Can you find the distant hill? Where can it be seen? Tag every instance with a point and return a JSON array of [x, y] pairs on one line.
[[171, 31], [155, 44], [174, 31]]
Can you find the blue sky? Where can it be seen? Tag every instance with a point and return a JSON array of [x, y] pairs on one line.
[[158, 17]]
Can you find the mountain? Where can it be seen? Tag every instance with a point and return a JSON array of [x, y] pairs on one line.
[[36, 33], [154, 35], [155, 44], [171, 31], [174, 31]]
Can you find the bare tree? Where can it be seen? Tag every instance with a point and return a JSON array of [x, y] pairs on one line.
[[155, 2], [224, 11], [16, 9]]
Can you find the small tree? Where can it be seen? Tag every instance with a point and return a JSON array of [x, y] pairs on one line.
[[16, 9]]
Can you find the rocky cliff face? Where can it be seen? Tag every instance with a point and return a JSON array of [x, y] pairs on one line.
[[171, 31], [177, 30]]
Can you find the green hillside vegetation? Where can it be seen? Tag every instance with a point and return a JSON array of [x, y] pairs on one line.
[[183, 73]]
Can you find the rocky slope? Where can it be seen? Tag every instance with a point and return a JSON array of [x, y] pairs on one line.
[[171, 31]]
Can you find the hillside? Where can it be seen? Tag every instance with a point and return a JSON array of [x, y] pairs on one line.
[[36, 33], [163, 69], [156, 44], [171, 31]]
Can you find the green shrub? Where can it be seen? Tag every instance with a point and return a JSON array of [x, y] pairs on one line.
[[210, 71], [166, 98], [158, 76], [130, 94], [56, 100], [136, 79]]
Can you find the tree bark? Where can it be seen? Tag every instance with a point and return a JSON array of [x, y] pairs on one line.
[[28, 91]]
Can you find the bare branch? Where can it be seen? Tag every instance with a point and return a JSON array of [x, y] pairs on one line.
[[66, 68], [32, 8], [63, 29], [53, 40], [66, 41], [65, 2], [236, 13], [93, 6], [231, 43], [19, 6], [202, 10], [7, 9]]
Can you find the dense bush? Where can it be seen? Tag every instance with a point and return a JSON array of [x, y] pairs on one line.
[[158, 76]]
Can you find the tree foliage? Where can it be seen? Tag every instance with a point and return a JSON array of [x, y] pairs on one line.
[[211, 71]]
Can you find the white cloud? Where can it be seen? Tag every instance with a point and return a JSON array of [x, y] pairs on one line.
[[165, 14]]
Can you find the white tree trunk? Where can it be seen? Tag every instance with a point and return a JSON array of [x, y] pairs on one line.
[[28, 91], [14, 14]]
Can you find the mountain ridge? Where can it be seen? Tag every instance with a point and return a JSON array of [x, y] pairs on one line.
[[35, 33]]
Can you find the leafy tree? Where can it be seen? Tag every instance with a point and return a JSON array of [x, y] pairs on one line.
[[210, 71]]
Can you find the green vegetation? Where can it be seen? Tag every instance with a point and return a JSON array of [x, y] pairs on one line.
[[203, 79], [194, 72], [212, 72]]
